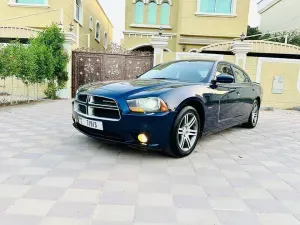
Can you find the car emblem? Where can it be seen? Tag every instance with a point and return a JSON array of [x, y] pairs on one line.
[[107, 101]]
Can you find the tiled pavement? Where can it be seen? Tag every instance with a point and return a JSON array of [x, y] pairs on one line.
[[52, 175]]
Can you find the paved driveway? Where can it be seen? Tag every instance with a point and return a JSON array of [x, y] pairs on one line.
[[52, 175]]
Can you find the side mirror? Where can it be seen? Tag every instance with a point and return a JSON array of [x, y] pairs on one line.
[[224, 78]]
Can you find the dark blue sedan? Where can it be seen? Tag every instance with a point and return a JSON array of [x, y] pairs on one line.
[[169, 107]]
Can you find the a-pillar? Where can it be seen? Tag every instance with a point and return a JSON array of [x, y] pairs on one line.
[[241, 49], [159, 44], [69, 45]]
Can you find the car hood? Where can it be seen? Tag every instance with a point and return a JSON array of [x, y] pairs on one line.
[[132, 87]]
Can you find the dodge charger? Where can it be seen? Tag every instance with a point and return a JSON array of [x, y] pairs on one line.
[[169, 107]]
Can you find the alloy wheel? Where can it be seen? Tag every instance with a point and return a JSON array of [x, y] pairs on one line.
[[254, 113], [187, 132]]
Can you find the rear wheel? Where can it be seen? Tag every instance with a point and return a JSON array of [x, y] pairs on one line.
[[253, 118], [185, 133]]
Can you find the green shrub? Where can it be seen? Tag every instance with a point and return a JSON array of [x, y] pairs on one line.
[[44, 60], [293, 36], [54, 40], [51, 91]]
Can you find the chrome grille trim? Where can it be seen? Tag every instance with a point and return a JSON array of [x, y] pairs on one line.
[[103, 106], [77, 107], [89, 104], [78, 98]]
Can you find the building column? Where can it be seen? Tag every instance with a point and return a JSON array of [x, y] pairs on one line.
[[159, 44], [70, 43], [241, 49]]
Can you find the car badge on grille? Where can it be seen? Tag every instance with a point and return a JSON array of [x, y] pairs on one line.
[[107, 101]]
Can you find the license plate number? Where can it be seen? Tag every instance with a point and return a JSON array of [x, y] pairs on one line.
[[98, 125]]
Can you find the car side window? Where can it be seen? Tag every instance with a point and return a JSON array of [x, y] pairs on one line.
[[223, 68], [240, 76]]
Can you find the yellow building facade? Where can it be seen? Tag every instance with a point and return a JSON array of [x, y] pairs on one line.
[[24, 18], [189, 24]]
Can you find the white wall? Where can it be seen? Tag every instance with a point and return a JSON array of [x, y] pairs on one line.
[[283, 15]]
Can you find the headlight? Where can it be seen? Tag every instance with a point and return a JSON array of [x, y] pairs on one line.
[[152, 104]]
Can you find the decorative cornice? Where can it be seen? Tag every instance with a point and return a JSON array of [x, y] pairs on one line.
[[151, 26], [70, 38], [200, 41], [159, 42], [147, 33]]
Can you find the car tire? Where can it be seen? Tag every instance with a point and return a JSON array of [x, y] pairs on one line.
[[185, 133], [253, 118]]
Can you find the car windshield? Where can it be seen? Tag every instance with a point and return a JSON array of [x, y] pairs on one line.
[[188, 71]]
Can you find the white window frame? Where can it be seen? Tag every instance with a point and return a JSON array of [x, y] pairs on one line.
[[80, 20], [233, 10], [14, 3], [105, 42], [91, 23], [99, 38]]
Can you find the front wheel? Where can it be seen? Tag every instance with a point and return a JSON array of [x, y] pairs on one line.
[[253, 118], [185, 133]]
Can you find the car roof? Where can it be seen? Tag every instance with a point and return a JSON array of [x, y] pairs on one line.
[[196, 60], [205, 60]]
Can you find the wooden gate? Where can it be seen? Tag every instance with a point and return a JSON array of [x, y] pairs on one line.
[[114, 63]]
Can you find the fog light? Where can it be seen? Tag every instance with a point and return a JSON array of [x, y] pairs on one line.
[[142, 138]]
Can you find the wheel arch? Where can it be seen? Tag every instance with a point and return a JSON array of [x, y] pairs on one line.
[[198, 105], [259, 100]]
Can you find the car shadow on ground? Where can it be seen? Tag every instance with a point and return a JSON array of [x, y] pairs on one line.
[[107, 148]]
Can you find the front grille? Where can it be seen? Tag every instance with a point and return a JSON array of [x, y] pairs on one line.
[[105, 113], [82, 98], [79, 107], [82, 109], [98, 107], [103, 101]]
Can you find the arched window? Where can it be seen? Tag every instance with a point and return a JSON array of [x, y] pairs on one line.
[[165, 13], [97, 31], [78, 11], [152, 8], [105, 40], [139, 12], [91, 23]]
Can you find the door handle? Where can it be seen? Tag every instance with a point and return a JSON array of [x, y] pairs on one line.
[[238, 93]]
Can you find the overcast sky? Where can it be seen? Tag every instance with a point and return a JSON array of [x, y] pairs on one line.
[[115, 10]]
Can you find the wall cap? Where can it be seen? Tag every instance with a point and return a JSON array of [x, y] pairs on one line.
[[70, 38], [159, 42], [241, 47]]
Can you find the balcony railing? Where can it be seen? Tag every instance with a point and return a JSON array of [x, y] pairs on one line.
[[17, 32]]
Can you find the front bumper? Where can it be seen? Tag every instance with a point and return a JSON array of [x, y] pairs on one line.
[[125, 131]]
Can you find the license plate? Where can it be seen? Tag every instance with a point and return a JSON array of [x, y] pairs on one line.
[[98, 125]]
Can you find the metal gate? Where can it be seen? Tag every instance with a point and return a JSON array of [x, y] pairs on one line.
[[114, 63]]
